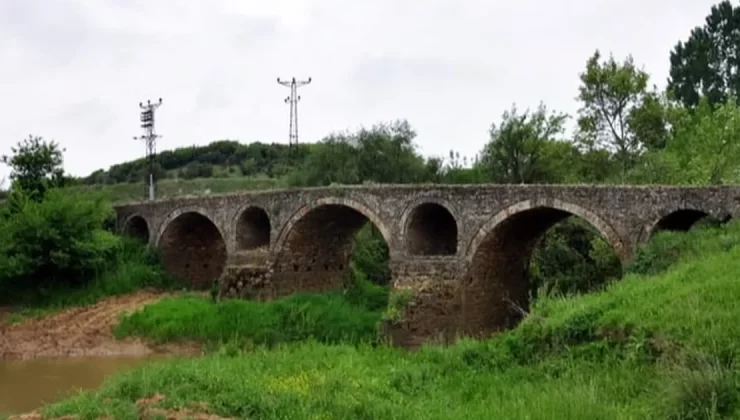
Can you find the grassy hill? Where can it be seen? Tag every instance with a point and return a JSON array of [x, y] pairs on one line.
[[649, 346], [123, 192], [221, 166]]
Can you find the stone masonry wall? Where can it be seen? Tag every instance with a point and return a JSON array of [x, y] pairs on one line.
[[470, 280]]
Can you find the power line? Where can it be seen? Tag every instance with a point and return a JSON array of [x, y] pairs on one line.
[[293, 101], [150, 140]]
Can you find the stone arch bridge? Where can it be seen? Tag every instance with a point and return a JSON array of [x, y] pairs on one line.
[[464, 250]]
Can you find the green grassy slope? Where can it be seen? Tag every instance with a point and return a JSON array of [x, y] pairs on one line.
[[167, 188], [658, 346]]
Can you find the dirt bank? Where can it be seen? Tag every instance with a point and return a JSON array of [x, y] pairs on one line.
[[83, 331]]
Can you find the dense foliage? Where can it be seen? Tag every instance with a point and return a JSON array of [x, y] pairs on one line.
[[706, 64], [56, 248]]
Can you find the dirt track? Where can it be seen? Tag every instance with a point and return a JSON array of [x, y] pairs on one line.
[[84, 331]]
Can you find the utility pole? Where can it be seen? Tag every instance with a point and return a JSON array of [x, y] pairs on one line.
[[293, 101], [150, 140]]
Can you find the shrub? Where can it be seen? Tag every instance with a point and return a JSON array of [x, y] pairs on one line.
[[58, 241], [667, 248], [58, 245], [572, 257]]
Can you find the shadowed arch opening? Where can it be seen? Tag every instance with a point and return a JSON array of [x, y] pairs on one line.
[[193, 250], [432, 230], [137, 227], [683, 220], [498, 285], [317, 250], [253, 229]]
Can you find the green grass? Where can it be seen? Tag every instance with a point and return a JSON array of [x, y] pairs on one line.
[[168, 188], [328, 318], [350, 316], [650, 346]]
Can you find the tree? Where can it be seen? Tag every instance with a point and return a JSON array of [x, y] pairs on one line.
[[708, 64], [384, 153], [514, 152], [705, 144], [648, 121], [617, 109], [36, 166], [56, 242]]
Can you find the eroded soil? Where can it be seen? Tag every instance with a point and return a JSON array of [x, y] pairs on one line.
[[83, 331]]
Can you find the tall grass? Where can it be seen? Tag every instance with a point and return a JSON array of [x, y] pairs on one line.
[[650, 346], [349, 316]]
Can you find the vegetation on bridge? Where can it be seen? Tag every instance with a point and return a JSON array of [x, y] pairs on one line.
[[661, 343]]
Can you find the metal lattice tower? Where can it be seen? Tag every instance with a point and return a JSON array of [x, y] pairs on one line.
[[293, 101], [150, 140]]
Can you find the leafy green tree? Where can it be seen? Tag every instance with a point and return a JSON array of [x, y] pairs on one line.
[[707, 64], [36, 166], [572, 257], [617, 109], [370, 255], [705, 145], [53, 243], [384, 153], [514, 153], [3, 191], [649, 121], [456, 170], [334, 160]]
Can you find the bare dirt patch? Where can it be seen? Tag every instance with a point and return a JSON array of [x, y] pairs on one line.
[[82, 331]]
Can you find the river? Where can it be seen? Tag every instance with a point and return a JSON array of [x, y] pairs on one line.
[[28, 384]]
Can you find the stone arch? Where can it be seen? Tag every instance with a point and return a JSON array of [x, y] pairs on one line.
[[136, 227], [192, 248], [313, 250], [681, 219], [253, 229], [430, 229], [495, 287]]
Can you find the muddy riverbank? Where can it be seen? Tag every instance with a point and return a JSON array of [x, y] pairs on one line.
[[83, 332], [44, 359]]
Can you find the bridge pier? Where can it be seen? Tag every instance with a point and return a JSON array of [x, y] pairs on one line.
[[432, 313]]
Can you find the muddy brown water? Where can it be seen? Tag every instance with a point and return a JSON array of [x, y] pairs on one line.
[[29, 384]]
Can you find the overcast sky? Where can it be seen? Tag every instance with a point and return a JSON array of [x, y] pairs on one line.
[[75, 70]]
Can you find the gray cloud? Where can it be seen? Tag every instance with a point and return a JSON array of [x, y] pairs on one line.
[[74, 70], [56, 34]]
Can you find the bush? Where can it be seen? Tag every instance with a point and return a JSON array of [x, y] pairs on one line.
[[572, 258], [58, 245], [706, 391], [56, 242], [667, 248]]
